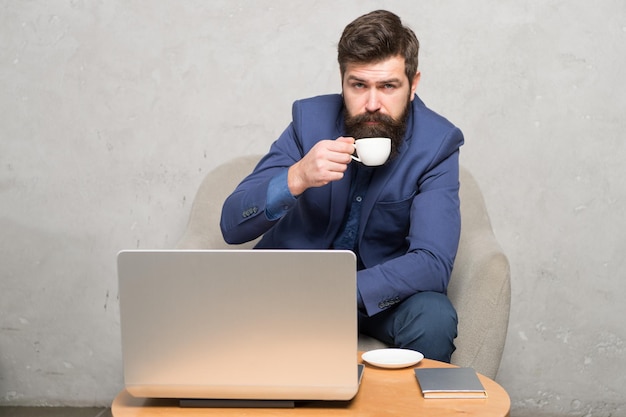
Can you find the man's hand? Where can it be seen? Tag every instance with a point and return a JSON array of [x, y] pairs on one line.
[[325, 162]]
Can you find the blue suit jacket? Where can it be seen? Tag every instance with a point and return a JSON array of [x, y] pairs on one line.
[[410, 219]]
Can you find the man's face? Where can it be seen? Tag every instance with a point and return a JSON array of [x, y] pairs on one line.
[[377, 97]]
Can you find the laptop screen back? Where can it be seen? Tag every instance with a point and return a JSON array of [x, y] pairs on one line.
[[239, 324]]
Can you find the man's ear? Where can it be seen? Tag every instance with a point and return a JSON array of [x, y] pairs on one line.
[[414, 83]]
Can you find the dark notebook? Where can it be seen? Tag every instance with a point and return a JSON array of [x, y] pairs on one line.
[[450, 383]]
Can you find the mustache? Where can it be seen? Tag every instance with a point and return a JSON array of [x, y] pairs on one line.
[[364, 118]]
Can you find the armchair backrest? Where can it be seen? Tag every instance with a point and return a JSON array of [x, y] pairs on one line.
[[203, 230], [480, 287]]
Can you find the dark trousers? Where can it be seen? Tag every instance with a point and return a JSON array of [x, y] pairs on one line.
[[426, 322]]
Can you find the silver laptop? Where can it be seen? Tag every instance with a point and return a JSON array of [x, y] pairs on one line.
[[239, 324]]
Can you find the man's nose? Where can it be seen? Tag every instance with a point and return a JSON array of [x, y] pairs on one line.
[[373, 103]]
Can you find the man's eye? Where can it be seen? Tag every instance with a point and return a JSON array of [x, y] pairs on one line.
[[389, 86], [358, 85]]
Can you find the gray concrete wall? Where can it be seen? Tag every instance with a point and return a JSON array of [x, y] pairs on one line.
[[111, 113]]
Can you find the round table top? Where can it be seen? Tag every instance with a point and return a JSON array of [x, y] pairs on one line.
[[382, 392]]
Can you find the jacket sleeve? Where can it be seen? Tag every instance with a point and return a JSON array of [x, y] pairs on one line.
[[244, 212]]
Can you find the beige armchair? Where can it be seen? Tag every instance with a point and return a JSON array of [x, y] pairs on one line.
[[480, 287]]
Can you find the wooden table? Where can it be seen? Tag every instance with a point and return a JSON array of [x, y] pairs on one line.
[[383, 392]]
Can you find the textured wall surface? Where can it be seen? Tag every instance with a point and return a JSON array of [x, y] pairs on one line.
[[112, 111]]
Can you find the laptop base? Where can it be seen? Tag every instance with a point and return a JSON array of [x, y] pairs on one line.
[[211, 403], [240, 403]]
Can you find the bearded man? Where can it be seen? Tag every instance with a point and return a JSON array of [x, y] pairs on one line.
[[401, 219]]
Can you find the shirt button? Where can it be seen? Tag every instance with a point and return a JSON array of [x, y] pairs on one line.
[[359, 198]]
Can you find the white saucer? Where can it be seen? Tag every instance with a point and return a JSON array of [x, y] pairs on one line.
[[392, 358]]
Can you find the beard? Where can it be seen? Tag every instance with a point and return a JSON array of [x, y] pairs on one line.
[[360, 126]]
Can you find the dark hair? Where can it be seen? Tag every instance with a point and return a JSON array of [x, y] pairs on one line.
[[375, 37]]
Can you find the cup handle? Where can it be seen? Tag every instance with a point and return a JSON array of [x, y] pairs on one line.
[[355, 157]]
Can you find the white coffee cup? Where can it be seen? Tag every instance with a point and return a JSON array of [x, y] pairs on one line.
[[372, 151]]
